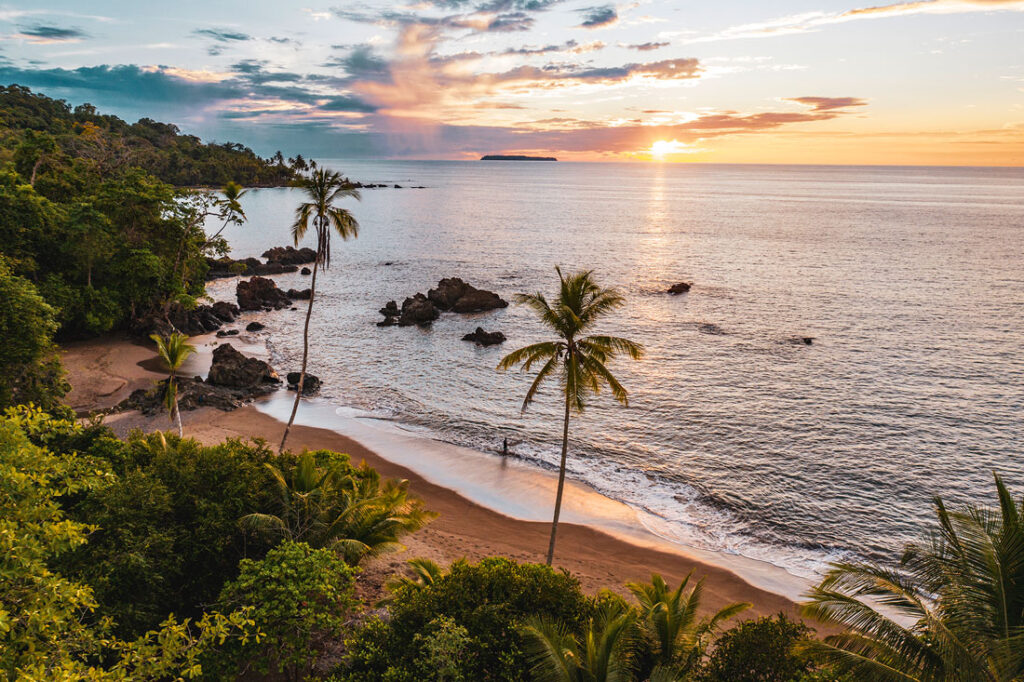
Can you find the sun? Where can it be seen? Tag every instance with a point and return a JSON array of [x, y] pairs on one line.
[[664, 148]]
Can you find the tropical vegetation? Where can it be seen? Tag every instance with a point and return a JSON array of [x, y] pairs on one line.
[[578, 361], [173, 351]]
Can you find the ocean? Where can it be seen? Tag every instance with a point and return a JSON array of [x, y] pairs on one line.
[[739, 438]]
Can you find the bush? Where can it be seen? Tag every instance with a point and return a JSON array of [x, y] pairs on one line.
[[298, 597], [475, 608], [761, 650]]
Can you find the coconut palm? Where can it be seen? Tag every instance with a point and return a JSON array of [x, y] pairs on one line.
[[669, 621], [953, 608], [425, 572], [345, 509], [578, 361], [323, 187], [605, 652], [173, 351]]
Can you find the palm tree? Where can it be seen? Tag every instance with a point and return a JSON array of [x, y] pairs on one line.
[[580, 362], [425, 572], [349, 510], [173, 351], [953, 608], [604, 653], [323, 187], [669, 620]]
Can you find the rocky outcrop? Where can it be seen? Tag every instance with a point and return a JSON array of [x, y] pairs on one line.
[[453, 294], [299, 294], [418, 310], [391, 314], [310, 385], [203, 319], [232, 369], [305, 271], [255, 327], [680, 288], [192, 393], [227, 332], [289, 255], [482, 338], [260, 293], [246, 267]]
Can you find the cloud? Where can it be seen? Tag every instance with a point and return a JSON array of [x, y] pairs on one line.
[[598, 17], [222, 36], [41, 34], [811, 21], [829, 103], [647, 47]]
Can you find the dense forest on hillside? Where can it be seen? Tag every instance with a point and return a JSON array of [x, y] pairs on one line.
[[110, 144], [95, 231]]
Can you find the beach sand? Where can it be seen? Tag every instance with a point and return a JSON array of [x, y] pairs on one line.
[[104, 371]]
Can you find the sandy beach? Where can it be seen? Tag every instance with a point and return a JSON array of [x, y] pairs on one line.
[[104, 371]]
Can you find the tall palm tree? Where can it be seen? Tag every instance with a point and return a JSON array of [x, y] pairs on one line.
[[323, 187], [578, 361], [669, 620], [173, 351], [953, 609], [333, 506], [605, 652]]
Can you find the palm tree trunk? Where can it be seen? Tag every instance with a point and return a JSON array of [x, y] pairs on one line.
[[305, 355], [561, 484], [177, 414]]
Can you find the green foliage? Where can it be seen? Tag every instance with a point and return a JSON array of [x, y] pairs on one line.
[[298, 597], [491, 600], [953, 609], [173, 351], [30, 370], [762, 650], [676, 638], [90, 216], [330, 504], [47, 624]]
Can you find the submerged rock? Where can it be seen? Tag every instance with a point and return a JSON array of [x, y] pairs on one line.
[[305, 271], [310, 385], [482, 338], [680, 288], [299, 294], [260, 293], [255, 327]]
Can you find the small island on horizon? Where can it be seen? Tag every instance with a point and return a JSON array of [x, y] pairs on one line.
[[515, 157]]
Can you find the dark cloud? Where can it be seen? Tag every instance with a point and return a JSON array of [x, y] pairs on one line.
[[362, 62], [222, 36], [53, 34], [829, 103], [347, 103], [596, 17], [510, 21], [647, 47], [280, 40]]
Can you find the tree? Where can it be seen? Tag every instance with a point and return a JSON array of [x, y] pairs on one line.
[[173, 351], [30, 370], [670, 622], [762, 650], [952, 609], [341, 508], [603, 654], [579, 362], [323, 187]]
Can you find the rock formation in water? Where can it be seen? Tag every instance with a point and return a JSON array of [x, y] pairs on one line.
[[260, 293], [482, 338]]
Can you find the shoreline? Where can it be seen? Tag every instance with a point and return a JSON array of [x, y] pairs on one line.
[[486, 507]]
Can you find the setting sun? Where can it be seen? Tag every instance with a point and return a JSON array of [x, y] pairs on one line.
[[663, 148]]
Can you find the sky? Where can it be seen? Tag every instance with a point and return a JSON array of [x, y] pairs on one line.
[[924, 82]]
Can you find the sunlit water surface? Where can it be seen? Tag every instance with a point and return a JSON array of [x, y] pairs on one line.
[[910, 280]]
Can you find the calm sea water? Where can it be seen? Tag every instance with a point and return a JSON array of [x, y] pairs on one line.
[[910, 280]]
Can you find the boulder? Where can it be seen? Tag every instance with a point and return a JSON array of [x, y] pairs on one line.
[[482, 338], [300, 294], [453, 294], [226, 312], [289, 255], [229, 332], [260, 293], [391, 314], [680, 288], [418, 310], [310, 385], [305, 271], [255, 327], [232, 369], [226, 267], [192, 393]]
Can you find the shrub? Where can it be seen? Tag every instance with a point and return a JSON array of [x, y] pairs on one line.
[[297, 596], [761, 650], [490, 600]]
